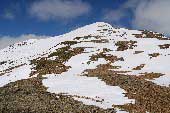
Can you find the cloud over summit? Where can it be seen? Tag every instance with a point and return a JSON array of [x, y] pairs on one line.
[[147, 14], [59, 9], [153, 15]]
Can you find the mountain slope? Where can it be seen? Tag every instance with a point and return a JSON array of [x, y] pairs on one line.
[[108, 68]]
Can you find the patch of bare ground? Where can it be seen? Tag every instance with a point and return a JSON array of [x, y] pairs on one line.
[[30, 96], [124, 45], [107, 57], [106, 50], [69, 43], [150, 34], [164, 46], [139, 67], [104, 69], [98, 41], [87, 37], [148, 96], [22, 43], [150, 76], [45, 66], [137, 52], [3, 62], [154, 55]]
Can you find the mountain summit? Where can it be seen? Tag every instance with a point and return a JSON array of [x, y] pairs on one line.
[[96, 68]]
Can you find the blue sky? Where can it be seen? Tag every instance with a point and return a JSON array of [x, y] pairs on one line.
[[20, 18], [15, 17]]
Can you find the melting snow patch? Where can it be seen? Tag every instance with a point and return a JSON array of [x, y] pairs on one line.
[[96, 91], [162, 81], [16, 74], [120, 111], [89, 90]]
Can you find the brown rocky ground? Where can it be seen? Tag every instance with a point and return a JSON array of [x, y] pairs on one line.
[[30, 96], [148, 96], [154, 55], [124, 45], [46, 66], [137, 52], [150, 76], [150, 34], [139, 67], [164, 46]]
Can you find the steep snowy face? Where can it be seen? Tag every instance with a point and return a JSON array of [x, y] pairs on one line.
[[22, 52], [73, 63]]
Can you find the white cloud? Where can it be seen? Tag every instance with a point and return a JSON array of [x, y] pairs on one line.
[[7, 40], [116, 15], [59, 9], [153, 15], [148, 14], [113, 15]]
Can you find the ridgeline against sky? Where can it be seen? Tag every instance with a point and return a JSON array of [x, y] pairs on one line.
[[55, 17]]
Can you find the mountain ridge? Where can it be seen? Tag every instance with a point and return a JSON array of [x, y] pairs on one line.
[[94, 64]]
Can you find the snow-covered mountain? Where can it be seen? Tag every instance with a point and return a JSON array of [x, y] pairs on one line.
[[115, 70]]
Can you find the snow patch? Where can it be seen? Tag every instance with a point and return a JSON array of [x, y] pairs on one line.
[[97, 91], [19, 73]]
